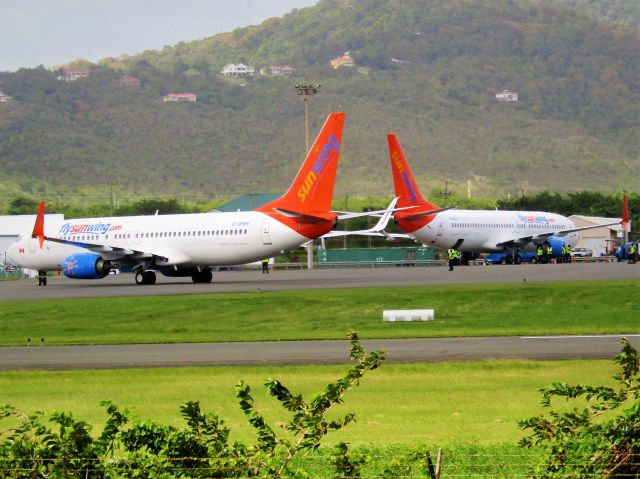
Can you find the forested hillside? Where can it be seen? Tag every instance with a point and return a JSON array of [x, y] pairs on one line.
[[622, 12], [426, 70]]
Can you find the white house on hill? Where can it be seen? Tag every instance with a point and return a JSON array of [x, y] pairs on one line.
[[238, 70]]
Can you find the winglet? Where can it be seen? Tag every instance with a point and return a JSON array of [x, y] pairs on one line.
[[625, 212], [38, 227]]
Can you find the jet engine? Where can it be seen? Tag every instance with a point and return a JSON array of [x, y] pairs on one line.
[[556, 245], [85, 266]]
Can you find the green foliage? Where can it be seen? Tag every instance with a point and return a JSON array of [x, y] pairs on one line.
[[575, 126], [201, 450], [622, 12], [599, 439]]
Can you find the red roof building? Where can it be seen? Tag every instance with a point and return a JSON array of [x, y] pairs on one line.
[[129, 80]]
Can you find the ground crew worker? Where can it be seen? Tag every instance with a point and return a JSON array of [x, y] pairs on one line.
[[265, 266], [631, 254], [452, 254], [549, 252], [566, 253], [42, 278], [540, 254]]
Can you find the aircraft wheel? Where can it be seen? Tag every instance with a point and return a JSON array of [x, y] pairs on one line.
[[204, 276], [145, 277], [150, 277]]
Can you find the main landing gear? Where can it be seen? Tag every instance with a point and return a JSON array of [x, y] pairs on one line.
[[203, 276], [145, 277]]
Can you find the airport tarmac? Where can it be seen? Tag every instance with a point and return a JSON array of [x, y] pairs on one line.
[[308, 352], [250, 281]]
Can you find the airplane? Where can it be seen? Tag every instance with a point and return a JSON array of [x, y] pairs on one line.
[[186, 245], [476, 231]]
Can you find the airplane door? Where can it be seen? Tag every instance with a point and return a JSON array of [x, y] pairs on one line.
[[440, 229], [266, 232], [33, 245]]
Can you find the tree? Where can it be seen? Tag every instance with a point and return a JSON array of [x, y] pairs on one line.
[[601, 439]]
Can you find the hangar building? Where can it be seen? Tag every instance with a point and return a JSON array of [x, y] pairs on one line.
[[600, 240]]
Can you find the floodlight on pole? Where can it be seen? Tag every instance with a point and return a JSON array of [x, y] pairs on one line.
[[306, 91]]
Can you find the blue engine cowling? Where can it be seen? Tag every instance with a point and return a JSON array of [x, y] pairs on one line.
[[85, 266], [556, 244]]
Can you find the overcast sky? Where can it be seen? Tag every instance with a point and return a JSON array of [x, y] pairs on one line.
[[54, 32]]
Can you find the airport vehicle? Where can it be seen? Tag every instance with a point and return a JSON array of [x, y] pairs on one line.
[[622, 252], [191, 244], [582, 252], [474, 231], [505, 257]]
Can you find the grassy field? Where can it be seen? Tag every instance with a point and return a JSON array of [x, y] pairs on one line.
[[438, 404], [582, 307]]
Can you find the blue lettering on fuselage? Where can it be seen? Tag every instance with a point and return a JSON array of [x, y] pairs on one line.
[[69, 229]]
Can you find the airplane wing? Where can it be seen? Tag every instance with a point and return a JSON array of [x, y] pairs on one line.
[[346, 215], [161, 255], [542, 236], [377, 230]]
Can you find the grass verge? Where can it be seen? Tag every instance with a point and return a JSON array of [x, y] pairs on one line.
[[443, 404], [582, 307]]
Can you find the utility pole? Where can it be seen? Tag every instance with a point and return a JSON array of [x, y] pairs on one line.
[[111, 198], [304, 92], [446, 193]]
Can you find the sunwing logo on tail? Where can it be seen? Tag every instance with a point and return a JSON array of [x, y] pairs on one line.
[[395, 157], [319, 168]]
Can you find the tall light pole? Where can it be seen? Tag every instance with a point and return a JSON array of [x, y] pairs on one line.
[[304, 92]]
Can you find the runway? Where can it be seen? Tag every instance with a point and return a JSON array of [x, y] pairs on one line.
[[123, 285], [308, 352]]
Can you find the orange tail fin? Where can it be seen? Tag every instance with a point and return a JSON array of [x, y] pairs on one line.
[[38, 227], [405, 184], [311, 192]]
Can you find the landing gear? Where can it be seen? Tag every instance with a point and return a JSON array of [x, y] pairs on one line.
[[203, 276], [145, 277]]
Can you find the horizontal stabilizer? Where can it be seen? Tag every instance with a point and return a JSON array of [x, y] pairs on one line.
[[301, 217]]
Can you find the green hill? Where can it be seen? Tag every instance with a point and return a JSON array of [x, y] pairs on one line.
[[621, 12], [431, 72]]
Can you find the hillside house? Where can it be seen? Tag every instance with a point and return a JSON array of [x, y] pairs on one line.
[[507, 96], [129, 80], [342, 61], [4, 97], [277, 71], [180, 98], [238, 70], [73, 73]]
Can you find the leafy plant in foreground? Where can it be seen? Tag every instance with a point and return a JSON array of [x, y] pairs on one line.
[[147, 450], [601, 439]]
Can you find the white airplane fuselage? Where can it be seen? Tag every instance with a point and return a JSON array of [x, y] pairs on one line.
[[187, 240], [488, 230]]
